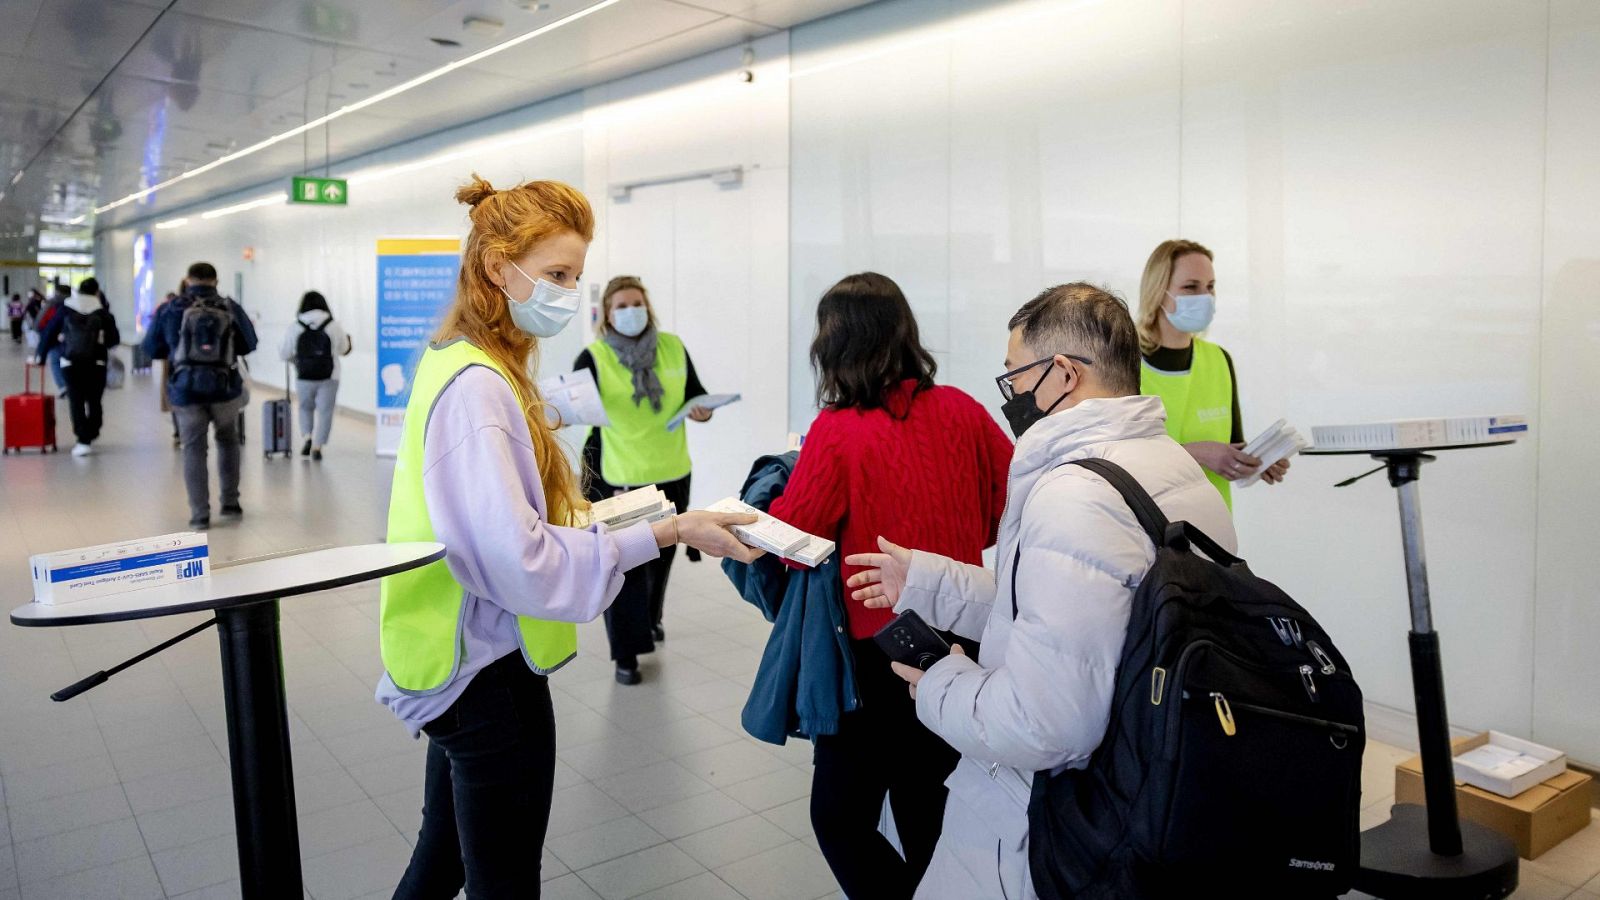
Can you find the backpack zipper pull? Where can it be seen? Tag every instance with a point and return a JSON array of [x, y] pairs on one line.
[[1283, 632], [1309, 683], [1322, 657], [1224, 714], [1294, 630]]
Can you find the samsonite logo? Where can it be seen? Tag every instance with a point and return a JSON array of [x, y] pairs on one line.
[[192, 569], [1312, 864]]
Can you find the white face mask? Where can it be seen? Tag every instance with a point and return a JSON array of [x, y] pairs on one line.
[[548, 308], [1193, 313], [630, 321]]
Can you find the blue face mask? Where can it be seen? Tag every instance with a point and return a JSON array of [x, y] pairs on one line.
[[630, 321], [547, 310], [1194, 312]]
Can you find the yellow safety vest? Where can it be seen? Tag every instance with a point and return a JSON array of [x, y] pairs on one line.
[[420, 611], [636, 448], [1199, 402]]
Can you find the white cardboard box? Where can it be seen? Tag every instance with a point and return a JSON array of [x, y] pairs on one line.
[[68, 575], [1507, 765]]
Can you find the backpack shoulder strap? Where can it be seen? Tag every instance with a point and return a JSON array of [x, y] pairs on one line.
[[1151, 518], [1161, 531]]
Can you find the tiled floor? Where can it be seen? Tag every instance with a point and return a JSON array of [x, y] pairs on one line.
[[124, 792]]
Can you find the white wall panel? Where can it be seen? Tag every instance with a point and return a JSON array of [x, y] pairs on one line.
[[870, 101], [1566, 663], [1370, 179], [1062, 167]]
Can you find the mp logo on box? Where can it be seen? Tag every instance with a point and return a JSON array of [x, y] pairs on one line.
[[192, 569]]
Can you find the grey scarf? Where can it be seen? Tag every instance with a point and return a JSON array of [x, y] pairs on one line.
[[639, 355]]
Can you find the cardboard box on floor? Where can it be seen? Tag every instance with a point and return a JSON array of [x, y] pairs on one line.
[[1535, 820]]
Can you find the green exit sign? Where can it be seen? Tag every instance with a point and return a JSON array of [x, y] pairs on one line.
[[328, 191]]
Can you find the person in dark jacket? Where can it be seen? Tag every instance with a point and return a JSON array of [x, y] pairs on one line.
[[806, 681], [81, 335], [203, 334]]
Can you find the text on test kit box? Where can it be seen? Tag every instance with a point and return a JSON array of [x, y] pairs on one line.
[[69, 575]]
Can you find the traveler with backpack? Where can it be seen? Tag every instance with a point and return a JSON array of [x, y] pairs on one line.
[[202, 335], [81, 334], [1053, 618], [314, 344]]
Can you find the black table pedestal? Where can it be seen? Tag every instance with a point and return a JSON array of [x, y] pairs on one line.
[[1429, 853], [258, 750]]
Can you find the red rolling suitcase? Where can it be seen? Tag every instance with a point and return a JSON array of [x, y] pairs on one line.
[[30, 417]]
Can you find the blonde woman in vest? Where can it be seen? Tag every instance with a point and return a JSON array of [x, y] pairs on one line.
[[468, 642], [645, 376], [1193, 377]]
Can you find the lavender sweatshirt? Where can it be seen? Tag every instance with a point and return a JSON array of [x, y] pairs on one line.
[[487, 506]]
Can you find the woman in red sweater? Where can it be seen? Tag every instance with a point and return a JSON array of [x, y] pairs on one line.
[[925, 466]]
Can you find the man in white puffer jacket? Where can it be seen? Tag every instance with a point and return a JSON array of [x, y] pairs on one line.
[[1039, 696]]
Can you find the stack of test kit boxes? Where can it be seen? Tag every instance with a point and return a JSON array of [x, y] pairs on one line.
[[69, 575], [646, 504], [1411, 434], [775, 536]]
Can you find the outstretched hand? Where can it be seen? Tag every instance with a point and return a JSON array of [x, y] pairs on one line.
[[884, 577], [709, 533]]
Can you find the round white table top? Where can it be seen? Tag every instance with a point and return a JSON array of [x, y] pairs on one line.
[[249, 582]]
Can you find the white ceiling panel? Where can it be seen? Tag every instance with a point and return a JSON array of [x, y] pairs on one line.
[[775, 13], [214, 76]]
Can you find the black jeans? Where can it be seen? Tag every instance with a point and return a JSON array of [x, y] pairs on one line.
[[880, 749], [486, 798], [642, 600], [86, 387]]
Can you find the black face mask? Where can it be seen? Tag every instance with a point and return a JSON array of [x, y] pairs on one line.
[[1021, 411]]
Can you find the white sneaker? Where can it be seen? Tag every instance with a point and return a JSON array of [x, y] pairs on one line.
[[82, 450]]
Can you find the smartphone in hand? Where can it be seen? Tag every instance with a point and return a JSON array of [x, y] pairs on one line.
[[908, 639]]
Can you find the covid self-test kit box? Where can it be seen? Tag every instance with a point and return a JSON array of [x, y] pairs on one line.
[[69, 575]]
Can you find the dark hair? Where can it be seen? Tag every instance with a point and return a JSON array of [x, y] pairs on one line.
[[202, 271], [313, 300], [1082, 319], [866, 344], [88, 286]]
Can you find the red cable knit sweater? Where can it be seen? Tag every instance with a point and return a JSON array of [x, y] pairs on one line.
[[934, 480]]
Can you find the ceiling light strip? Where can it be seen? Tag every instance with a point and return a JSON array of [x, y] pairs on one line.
[[364, 103]]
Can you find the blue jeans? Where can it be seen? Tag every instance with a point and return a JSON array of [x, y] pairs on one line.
[[486, 795], [53, 360]]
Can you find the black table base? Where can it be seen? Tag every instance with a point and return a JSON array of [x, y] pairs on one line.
[[1396, 861], [1429, 853], [258, 750]]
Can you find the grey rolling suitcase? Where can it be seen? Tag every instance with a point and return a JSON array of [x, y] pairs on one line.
[[275, 434]]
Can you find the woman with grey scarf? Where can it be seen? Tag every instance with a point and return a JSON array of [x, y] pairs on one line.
[[645, 376]]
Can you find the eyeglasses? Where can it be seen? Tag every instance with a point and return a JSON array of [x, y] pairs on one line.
[[1004, 381]]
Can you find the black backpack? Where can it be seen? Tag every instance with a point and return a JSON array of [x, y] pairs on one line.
[[313, 353], [205, 335], [1232, 759], [82, 336]]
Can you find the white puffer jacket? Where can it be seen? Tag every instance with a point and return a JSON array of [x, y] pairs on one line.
[[1040, 695]]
